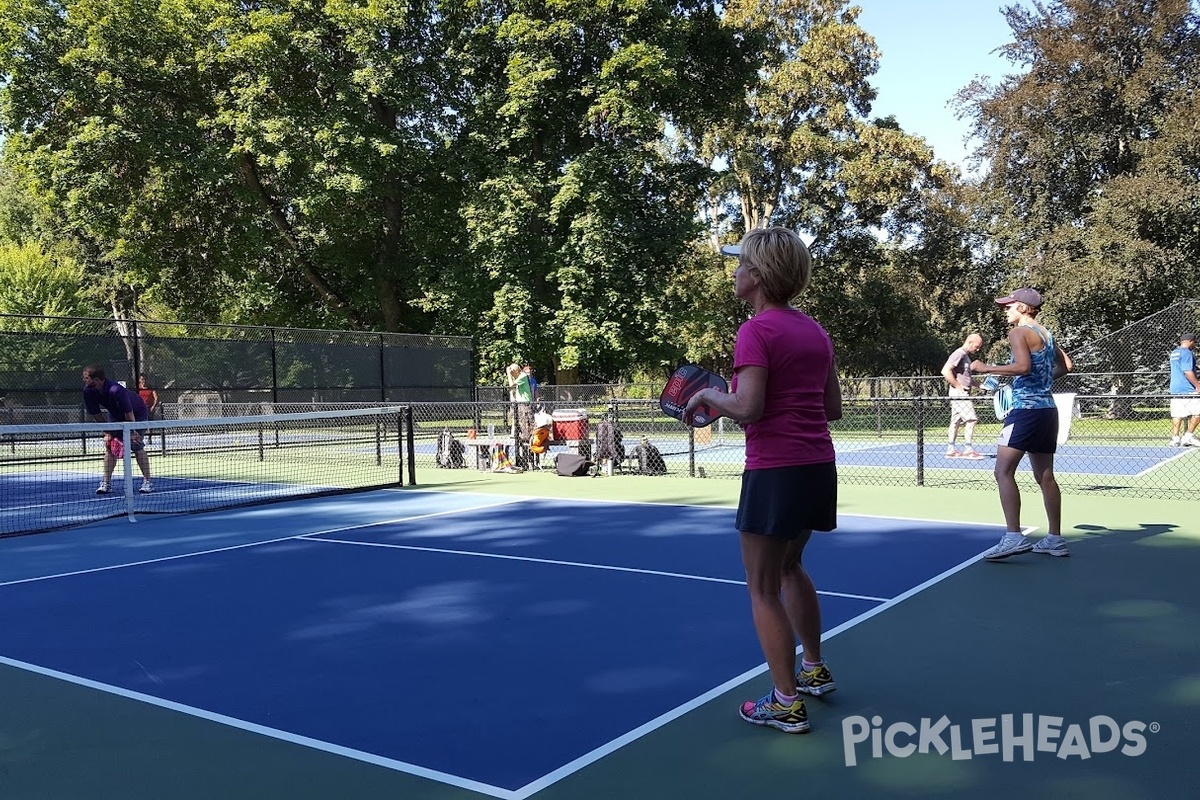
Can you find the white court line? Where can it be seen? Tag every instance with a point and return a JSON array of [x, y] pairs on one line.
[[574, 766], [245, 545], [558, 563], [1183, 453], [274, 733]]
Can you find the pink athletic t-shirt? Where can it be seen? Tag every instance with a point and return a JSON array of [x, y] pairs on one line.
[[798, 355]]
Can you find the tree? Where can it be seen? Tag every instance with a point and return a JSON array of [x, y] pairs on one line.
[[578, 212], [1093, 157], [802, 151], [244, 159]]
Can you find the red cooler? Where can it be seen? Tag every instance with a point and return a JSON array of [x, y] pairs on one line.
[[570, 424]]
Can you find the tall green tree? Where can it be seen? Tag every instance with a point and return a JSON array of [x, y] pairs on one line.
[[802, 150], [1092, 191], [248, 160], [579, 213]]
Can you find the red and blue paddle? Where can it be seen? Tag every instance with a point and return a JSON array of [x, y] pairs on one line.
[[685, 382]]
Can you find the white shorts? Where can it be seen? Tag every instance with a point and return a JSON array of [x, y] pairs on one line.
[[961, 410], [1186, 406]]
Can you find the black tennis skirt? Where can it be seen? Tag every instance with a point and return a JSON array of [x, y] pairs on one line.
[[785, 501]]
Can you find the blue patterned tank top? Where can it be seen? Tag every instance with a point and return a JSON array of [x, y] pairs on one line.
[[1033, 389]]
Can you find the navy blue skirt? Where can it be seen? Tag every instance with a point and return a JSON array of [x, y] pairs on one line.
[[1034, 430], [786, 501]]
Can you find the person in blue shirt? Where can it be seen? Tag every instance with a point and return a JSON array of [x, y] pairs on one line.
[[533, 384], [1185, 391], [1031, 426], [122, 405]]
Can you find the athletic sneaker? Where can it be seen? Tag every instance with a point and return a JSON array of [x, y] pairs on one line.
[[1189, 441], [816, 681], [951, 452], [1174, 441], [146, 487], [1011, 544], [770, 712], [971, 453], [104, 488], [1057, 549]]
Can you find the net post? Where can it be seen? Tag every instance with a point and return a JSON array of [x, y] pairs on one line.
[[127, 466], [408, 428], [400, 448], [261, 447], [378, 442]]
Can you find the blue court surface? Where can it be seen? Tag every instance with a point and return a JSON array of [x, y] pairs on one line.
[[1118, 459], [496, 644], [1090, 459]]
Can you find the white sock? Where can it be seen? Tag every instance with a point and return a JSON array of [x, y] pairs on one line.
[[785, 699]]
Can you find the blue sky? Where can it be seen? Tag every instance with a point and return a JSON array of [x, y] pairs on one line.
[[930, 50]]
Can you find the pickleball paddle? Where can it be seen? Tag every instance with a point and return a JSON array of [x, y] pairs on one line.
[[685, 382]]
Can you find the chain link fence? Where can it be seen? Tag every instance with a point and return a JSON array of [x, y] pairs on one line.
[[894, 430], [41, 359], [884, 441]]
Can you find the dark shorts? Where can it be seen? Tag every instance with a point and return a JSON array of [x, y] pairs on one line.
[[1033, 430], [786, 501]]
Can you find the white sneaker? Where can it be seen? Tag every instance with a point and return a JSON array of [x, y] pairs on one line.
[[1189, 441], [951, 452], [1056, 548], [104, 488], [1011, 544], [1174, 441], [971, 454], [146, 487]]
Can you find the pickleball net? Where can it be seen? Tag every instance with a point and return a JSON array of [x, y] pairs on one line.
[[49, 474]]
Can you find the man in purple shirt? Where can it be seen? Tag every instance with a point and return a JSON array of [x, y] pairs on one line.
[[122, 406]]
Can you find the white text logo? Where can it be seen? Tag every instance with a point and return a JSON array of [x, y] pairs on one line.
[[1007, 736]]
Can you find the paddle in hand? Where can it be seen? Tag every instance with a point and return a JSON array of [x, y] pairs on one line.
[[685, 382]]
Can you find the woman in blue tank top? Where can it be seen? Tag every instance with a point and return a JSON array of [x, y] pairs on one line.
[[1031, 426]]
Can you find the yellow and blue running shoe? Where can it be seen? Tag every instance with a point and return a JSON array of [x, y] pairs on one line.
[[816, 681], [770, 712]]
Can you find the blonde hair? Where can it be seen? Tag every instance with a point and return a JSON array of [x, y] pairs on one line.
[[779, 259]]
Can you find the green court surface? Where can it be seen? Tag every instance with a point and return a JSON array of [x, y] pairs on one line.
[[1108, 633]]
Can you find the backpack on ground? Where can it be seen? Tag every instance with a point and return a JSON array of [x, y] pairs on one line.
[[572, 465], [450, 451], [649, 459]]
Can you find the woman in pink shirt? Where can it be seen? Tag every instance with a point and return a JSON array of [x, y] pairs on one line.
[[784, 393]]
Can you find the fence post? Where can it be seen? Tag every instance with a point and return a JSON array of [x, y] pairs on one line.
[[137, 351], [691, 452], [877, 402], [412, 451], [919, 402], [382, 377], [274, 372]]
